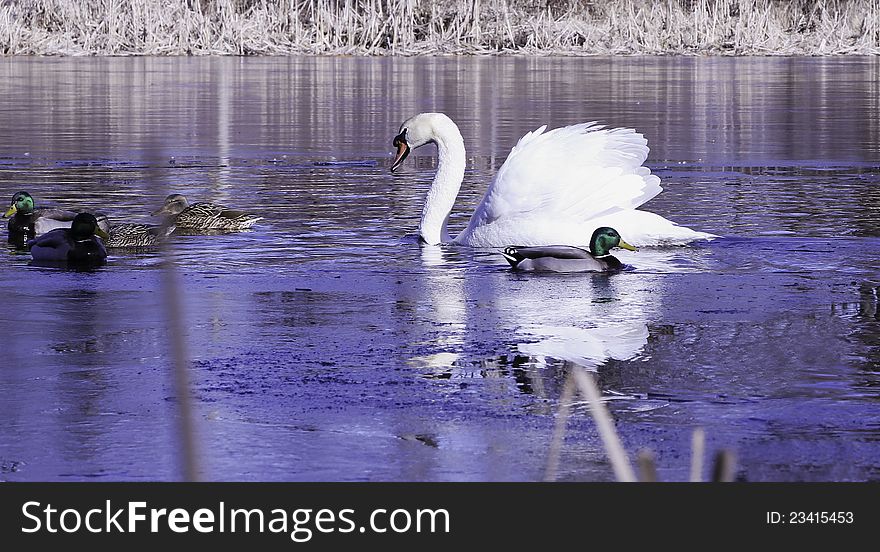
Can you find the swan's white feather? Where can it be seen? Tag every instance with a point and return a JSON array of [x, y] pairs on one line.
[[578, 172]]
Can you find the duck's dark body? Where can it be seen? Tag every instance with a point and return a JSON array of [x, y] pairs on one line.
[[21, 228], [89, 252], [76, 246], [559, 258], [59, 245]]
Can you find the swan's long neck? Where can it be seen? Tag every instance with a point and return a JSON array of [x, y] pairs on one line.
[[444, 189]]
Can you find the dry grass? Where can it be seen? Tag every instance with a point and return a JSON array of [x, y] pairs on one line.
[[412, 27]]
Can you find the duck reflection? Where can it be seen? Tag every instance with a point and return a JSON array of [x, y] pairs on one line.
[[864, 315], [586, 319], [82, 384]]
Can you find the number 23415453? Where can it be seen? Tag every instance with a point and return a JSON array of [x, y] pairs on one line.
[[779, 518]]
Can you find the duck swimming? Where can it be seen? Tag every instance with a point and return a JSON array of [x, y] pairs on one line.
[[27, 222], [204, 215], [555, 187], [563, 258], [131, 235], [77, 245]]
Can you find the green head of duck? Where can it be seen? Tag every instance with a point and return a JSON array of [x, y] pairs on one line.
[[605, 239], [22, 202], [84, 226]]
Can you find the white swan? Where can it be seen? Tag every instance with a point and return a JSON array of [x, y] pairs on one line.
[[555, 188]]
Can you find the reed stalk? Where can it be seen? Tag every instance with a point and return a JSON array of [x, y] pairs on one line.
[[558, 438], [623, 470], [698, 448]]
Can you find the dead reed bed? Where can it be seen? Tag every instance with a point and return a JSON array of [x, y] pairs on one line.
[[414, 27]]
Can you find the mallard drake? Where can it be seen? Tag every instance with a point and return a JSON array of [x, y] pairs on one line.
[[566, 258], [27, 222], [77, 245], [130, 235], [204, 215]]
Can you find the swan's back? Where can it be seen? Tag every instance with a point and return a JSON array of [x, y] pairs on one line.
[[578, 172]]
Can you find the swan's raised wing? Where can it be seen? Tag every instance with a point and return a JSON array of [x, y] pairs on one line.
[[577, 172]]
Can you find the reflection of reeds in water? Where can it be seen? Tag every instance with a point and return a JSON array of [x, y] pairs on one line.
[[162, 27], [580, 381], [180, 366], [187, 449]]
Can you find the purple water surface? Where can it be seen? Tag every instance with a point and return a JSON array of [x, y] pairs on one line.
[[326, 344]]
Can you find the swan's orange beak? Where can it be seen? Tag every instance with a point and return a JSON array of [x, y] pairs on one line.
[[402, 150]]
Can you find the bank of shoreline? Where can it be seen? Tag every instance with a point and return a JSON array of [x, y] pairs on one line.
[[444, 27]]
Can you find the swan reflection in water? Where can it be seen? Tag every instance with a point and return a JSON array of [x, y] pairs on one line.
[[587, 347], [445, 295], [493, 323], [585, 319]]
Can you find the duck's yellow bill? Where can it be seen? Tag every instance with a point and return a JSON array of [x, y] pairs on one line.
[[625, 245], [101, 234], [11, 211]]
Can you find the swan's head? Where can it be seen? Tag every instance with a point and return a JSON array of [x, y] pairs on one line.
[[605, 239], [424, 128], [22, 202]]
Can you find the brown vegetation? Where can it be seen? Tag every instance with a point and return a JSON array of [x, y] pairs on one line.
[[412, 27]]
